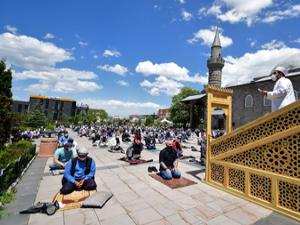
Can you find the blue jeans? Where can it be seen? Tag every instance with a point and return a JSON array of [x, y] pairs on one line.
[[167, 176], [55, 166]]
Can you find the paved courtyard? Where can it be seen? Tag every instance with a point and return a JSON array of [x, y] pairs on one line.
[[139, 199]]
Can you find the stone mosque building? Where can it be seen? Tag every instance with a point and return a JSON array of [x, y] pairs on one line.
[[247, 103]]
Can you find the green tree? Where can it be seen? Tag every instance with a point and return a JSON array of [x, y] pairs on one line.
[[36, 119], [150, 120], [5, 103], [180, 112]]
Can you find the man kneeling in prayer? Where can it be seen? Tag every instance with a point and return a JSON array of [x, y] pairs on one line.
[[79, 173], [134, 151], [168, 160]]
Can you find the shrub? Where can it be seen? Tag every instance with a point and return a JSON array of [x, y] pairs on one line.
[[13, 159]]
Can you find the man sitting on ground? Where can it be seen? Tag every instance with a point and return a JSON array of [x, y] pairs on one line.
[[63, 139], [177, 146], [79, 173], [62, 156], [135, 150], [150, 141], [168, 160]]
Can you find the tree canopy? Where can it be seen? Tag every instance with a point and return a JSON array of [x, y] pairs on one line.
[[5, 103], [179, 112]]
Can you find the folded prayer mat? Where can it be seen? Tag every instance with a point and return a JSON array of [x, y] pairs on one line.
[[97, 200], [72, 200]]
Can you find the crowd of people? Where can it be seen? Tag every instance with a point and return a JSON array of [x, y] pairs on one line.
[[79, 168]]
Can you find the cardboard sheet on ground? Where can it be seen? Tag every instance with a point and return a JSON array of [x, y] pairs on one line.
[[73, 200], [136, 161], [174, 183], [97, 200], [116, 151]]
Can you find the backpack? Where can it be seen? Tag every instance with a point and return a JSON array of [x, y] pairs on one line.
[[88, 165]]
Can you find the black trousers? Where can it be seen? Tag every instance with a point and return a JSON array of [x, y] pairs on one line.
[[69, 187]]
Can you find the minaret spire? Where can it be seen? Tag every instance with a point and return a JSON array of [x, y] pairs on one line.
[[217, 41], [215, 63]]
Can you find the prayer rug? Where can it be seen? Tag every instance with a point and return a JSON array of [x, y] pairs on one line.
[[136, 161], [73, 200], [187, 157], [174, 183]]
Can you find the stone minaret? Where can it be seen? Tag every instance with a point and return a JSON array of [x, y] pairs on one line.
[[215, 63]]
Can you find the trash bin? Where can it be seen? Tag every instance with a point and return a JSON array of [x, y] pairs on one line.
[[48, 147]]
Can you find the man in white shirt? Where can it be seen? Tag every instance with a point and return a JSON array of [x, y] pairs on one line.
[[283, 91]]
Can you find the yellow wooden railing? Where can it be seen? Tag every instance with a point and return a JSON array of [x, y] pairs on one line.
[[260, 161]]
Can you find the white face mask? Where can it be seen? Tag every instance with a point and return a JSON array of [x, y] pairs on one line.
[[273, 77]]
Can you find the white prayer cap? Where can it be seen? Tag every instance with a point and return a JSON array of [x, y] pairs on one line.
[[281, 69], [83, 151]]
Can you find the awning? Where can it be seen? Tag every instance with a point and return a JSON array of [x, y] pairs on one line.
[[193, 98]]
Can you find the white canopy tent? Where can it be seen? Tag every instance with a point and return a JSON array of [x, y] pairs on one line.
[[166, 121]]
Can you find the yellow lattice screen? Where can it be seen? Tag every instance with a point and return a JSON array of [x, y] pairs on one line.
[[261, 161]]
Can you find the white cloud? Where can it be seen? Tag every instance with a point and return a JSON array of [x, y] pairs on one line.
[[181, 1], [162, 85], [186, 16], [207, 37], [83, 44], [291, 12], [122, 108], [111, 53], [30, 53], [95, 56], [297, 40], [169, 70], [252, 42], [260, 63], [59, 80], [118, 69], [122, 83], [11, 29], [274, 44], [49, 36], [238, 10]]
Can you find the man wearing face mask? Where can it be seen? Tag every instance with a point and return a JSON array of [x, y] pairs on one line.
[[283, 91], [62, 156], [63, 139], [79, 173]]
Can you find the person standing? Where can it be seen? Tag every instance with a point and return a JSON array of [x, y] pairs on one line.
[[283, 91]]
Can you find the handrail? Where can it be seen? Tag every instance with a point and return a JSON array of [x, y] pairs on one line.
[[258, 121]]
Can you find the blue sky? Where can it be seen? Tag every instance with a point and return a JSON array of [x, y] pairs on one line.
[[130, 57]]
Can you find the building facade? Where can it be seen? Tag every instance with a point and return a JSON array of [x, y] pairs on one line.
[[163, 114], [53, 108], [20, 106]]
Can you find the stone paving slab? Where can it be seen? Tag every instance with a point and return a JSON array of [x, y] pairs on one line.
[[139, 199], [26, 193]]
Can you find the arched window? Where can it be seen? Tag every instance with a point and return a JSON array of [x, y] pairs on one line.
[[267, 102], [248, 101]]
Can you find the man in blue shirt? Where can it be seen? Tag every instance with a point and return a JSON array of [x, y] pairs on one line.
[[79, 173], [63, 139], [62, 156]]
